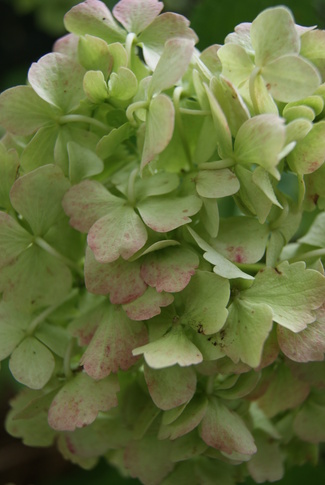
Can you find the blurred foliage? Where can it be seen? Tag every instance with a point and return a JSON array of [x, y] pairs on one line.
[[23, 24]]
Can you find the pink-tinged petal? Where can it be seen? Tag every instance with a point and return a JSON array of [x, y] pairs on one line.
[[120, 279], [136, 15], [148, 305]]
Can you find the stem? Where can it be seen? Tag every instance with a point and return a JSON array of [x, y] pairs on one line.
[[44, 245], [315, 253], [252, 78], [218, 164], [84, 119], [132, 108], [210, 385], [195, 112], [42, 316], [178, 119], [128, 45], [67, 358], [131, 192], [250, 268]]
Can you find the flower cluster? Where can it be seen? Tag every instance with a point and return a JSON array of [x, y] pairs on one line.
[[162, 233]]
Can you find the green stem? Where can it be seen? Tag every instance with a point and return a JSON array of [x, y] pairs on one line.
[[250, 268], [178, 119], [252, 79], [132, 108], [315, 253], [50, 250], [195, 112], [128, 45], [217, 165], [42, 316], [84, 119]]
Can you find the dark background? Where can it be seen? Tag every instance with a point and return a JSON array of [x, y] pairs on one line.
[[28, 29]]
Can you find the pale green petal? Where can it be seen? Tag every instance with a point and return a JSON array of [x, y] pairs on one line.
[[83, 163], [309, 153]]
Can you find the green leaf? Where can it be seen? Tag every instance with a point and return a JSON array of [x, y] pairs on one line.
[[123, 84], [173, 348], [223, 267], [135, 17], [37, 196], [147, 305], [95, 86], [224, 430], [12, 328], [83, 163], [309, 153], [159, 127], [291, 291], [58, 80], [31, 363], [119, 233], [172, 65], [170, 387], [94, 55], [205, 299], [79, 401], [13, 239], [110, 349], [94, 18], [163, 214], [120, 279], [164, 27], [260, 141], [290, 78], [247, 328], [307, 345], [22, 111], [216, 184], [241, 239], [273, 34], [169, 269]]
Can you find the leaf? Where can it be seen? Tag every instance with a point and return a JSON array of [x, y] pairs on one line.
[[291, 291], [58, 80], [37, 196], [273, 34], [163, 214], [164, 27], [136, 16], [119, 233], [36, 279], [94, 18], [79, 401], [290, 78], [284, 392], [205, 299], [13, 325], [309, 153], [9, 164], [247, 328], [83, 163], [223, 267], [14, 239], [148, 459], [307, 345], [173, 348], [260, 141], [169, 269], [189, 419], [31, 363], [224, 430], [170, 387], [122, 85], [111, 346], [241, 239], [147, 305], [216, 184], [120, 279], [172, 64], [87, 202], [159, 127]]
